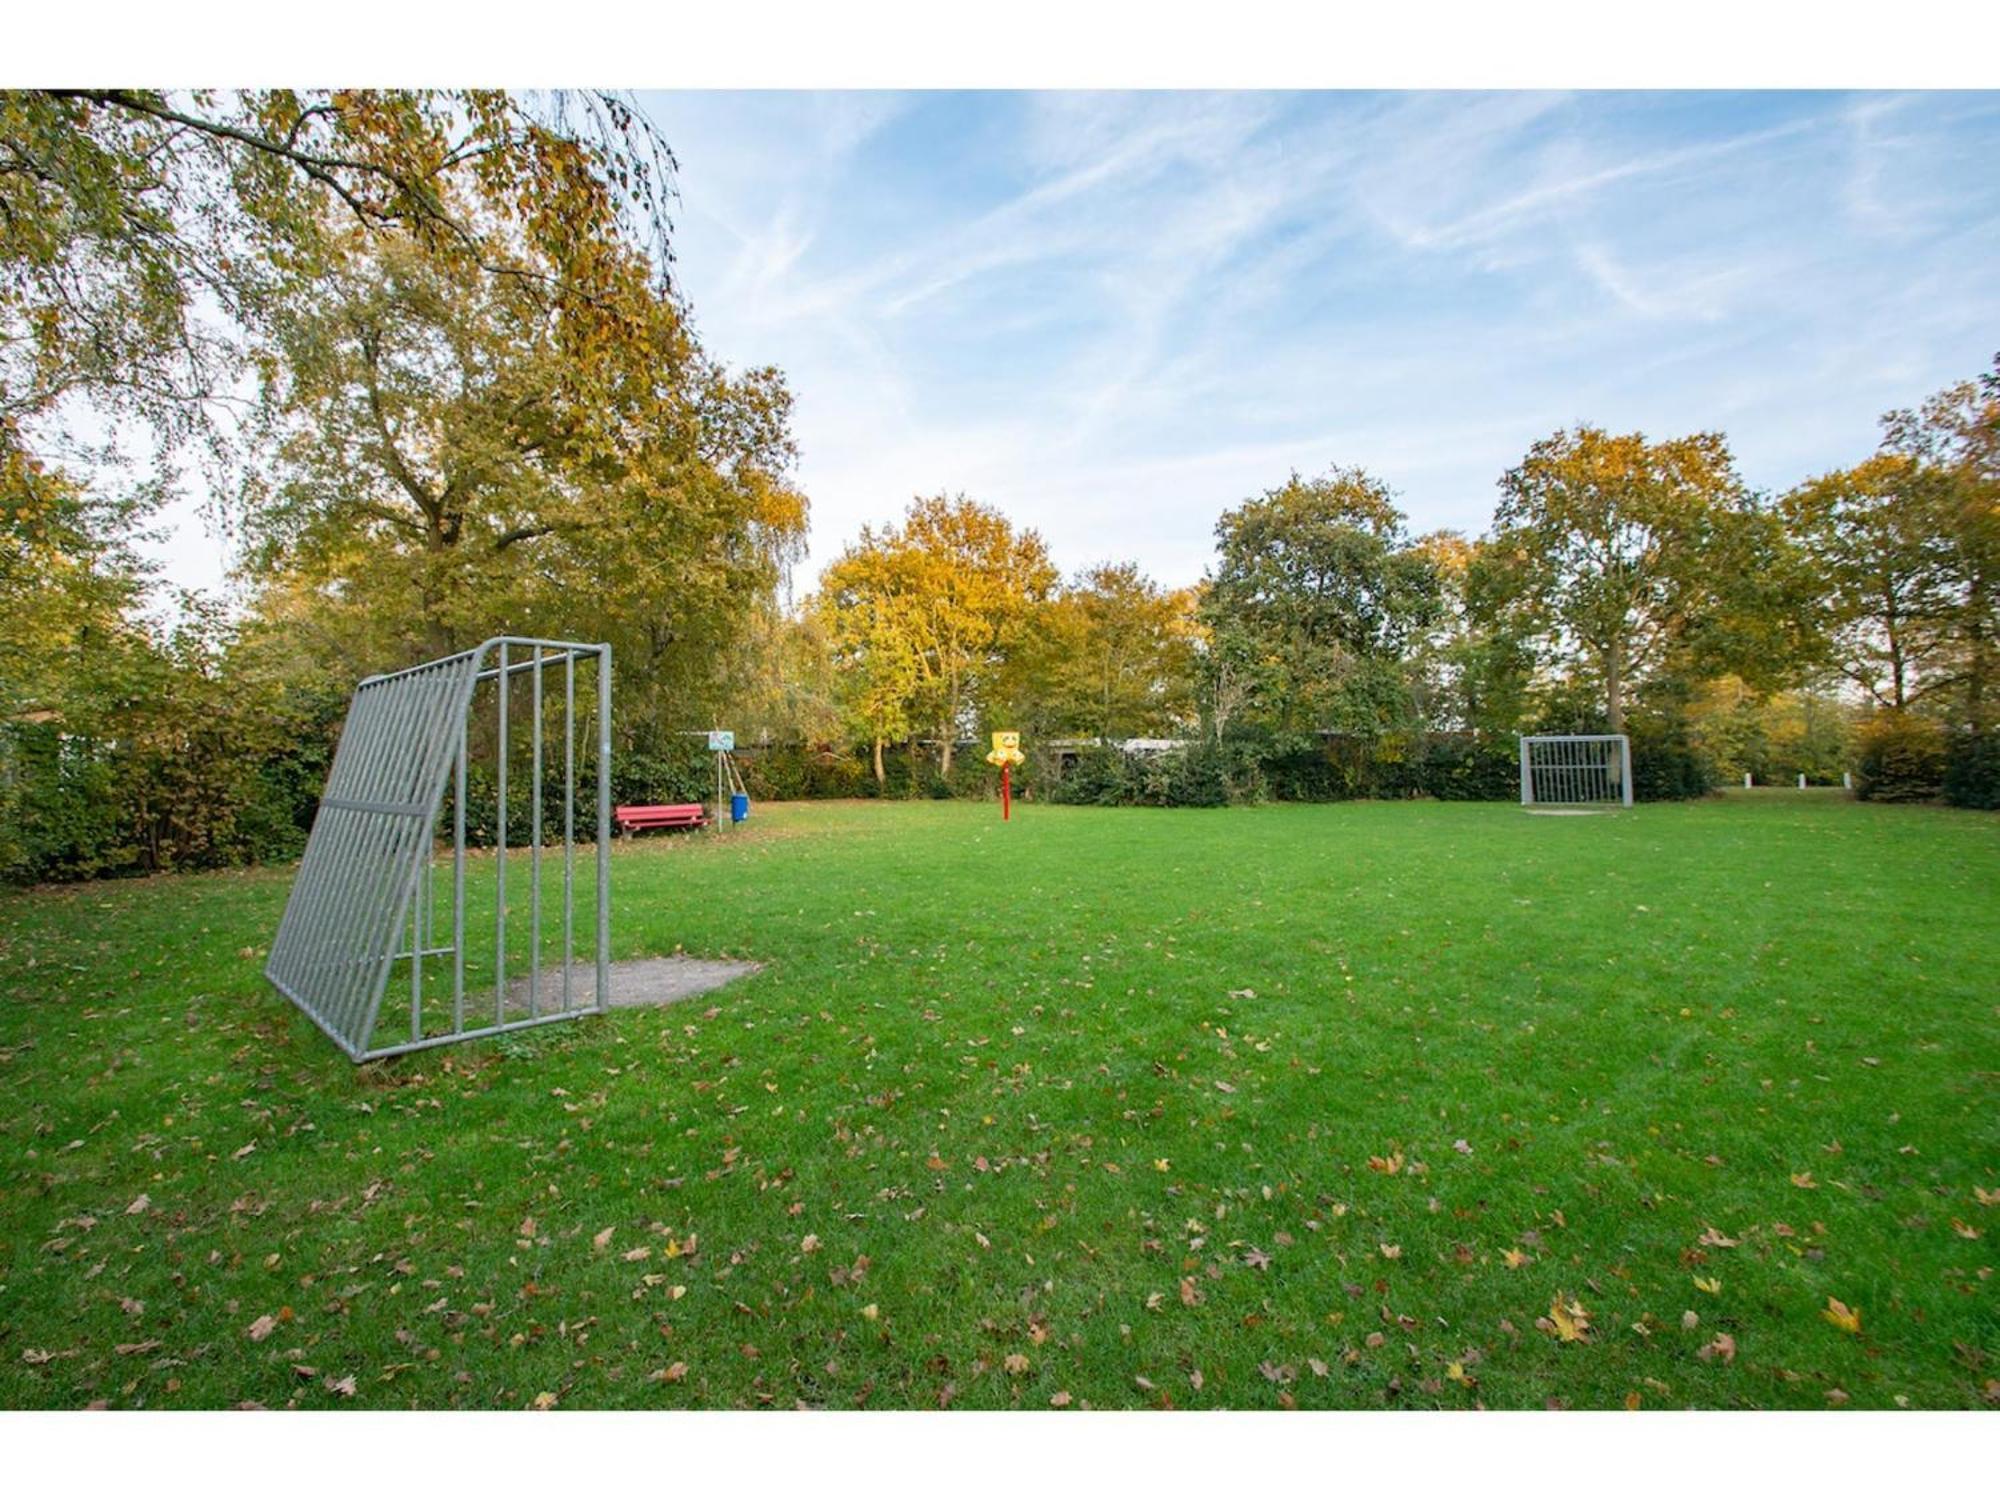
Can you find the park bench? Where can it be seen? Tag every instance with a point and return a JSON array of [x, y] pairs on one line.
[[668, 815]]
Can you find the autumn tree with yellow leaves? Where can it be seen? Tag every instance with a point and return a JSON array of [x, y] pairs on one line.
[[923, 616]]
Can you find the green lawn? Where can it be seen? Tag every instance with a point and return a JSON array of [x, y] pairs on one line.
[[1090, 1109]]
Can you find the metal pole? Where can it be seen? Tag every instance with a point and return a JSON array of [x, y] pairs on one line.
[[1527, 775], [1625, 761], [535, 859], [500, 856], [458, 881], [604, 826], [569, 822]]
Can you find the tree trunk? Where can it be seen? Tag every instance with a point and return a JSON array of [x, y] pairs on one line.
[[1614, 686], [881, 776], [1979, 649], [944, 755]]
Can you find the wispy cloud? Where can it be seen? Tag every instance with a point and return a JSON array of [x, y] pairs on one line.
[[1115, 315]]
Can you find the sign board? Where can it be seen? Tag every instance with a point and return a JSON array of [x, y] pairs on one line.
[[722, 739]]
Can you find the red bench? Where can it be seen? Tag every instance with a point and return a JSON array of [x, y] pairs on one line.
[[669, 815]]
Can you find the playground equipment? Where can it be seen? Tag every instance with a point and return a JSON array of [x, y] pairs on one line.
[[1575, 769], [1006, 754], [365, 900], [729, 788]]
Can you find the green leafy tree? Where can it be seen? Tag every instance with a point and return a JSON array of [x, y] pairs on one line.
[[1954, 439], [124, 211], [1876, 534], [1626, 559], [1110, 655], [1316, 603], [435, 467]]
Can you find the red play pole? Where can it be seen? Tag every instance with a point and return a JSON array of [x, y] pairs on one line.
[[1006, 792]]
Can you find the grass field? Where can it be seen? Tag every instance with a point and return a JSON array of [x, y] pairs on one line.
[[1419, 1105]]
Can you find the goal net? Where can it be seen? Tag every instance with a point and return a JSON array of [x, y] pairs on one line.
[[1576, 770]]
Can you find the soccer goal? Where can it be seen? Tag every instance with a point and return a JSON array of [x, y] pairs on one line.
[[482, 746], [1576, 770]]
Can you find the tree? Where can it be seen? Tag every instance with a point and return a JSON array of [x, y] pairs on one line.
[[435, 467], [1317, 598], [924, 616], [1954, 439], [124, 213], [1110, 655], [1631, 558], [1875, 535]]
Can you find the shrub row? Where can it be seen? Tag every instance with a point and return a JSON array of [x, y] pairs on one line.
[[1903, 757]]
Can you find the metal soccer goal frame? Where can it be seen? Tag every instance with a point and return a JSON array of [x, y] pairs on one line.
[[1575, 770], [365, 898]]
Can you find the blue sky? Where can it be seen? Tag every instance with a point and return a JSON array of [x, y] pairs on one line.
[[1115, 315]]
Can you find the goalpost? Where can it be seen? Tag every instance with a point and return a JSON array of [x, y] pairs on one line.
[[1576, 770], [374, 902]]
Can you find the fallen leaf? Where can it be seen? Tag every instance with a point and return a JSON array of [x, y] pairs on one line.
[[1708, 1284], [1569, 1319], [139, 1204], [673, 1373], [1189, 1296], [1803, 1180], [1840, 1315], [1713, 1236], [1515, 1259], [603, 1236], [261, 1329], [1721, 1347], [1060, 1398], [1015, 1364], [343, 1386], [809, 1244]]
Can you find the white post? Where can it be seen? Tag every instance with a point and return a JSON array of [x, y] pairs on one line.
[[1625, 764], [1746, 781], [1802, 781], [1527, 776], [1847, 780]]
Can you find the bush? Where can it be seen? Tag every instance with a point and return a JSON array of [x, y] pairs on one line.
[[1900, 758], [1206, 775], [1667, 763], [1468, 768], [1972, 770]]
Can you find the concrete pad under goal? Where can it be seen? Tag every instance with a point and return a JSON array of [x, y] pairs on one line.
[[634, 981]]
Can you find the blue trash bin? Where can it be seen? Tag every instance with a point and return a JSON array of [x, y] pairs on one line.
[[739, 807]]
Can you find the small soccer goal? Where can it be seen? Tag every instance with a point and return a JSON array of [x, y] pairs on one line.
[[1575, 772], [422, 775]]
